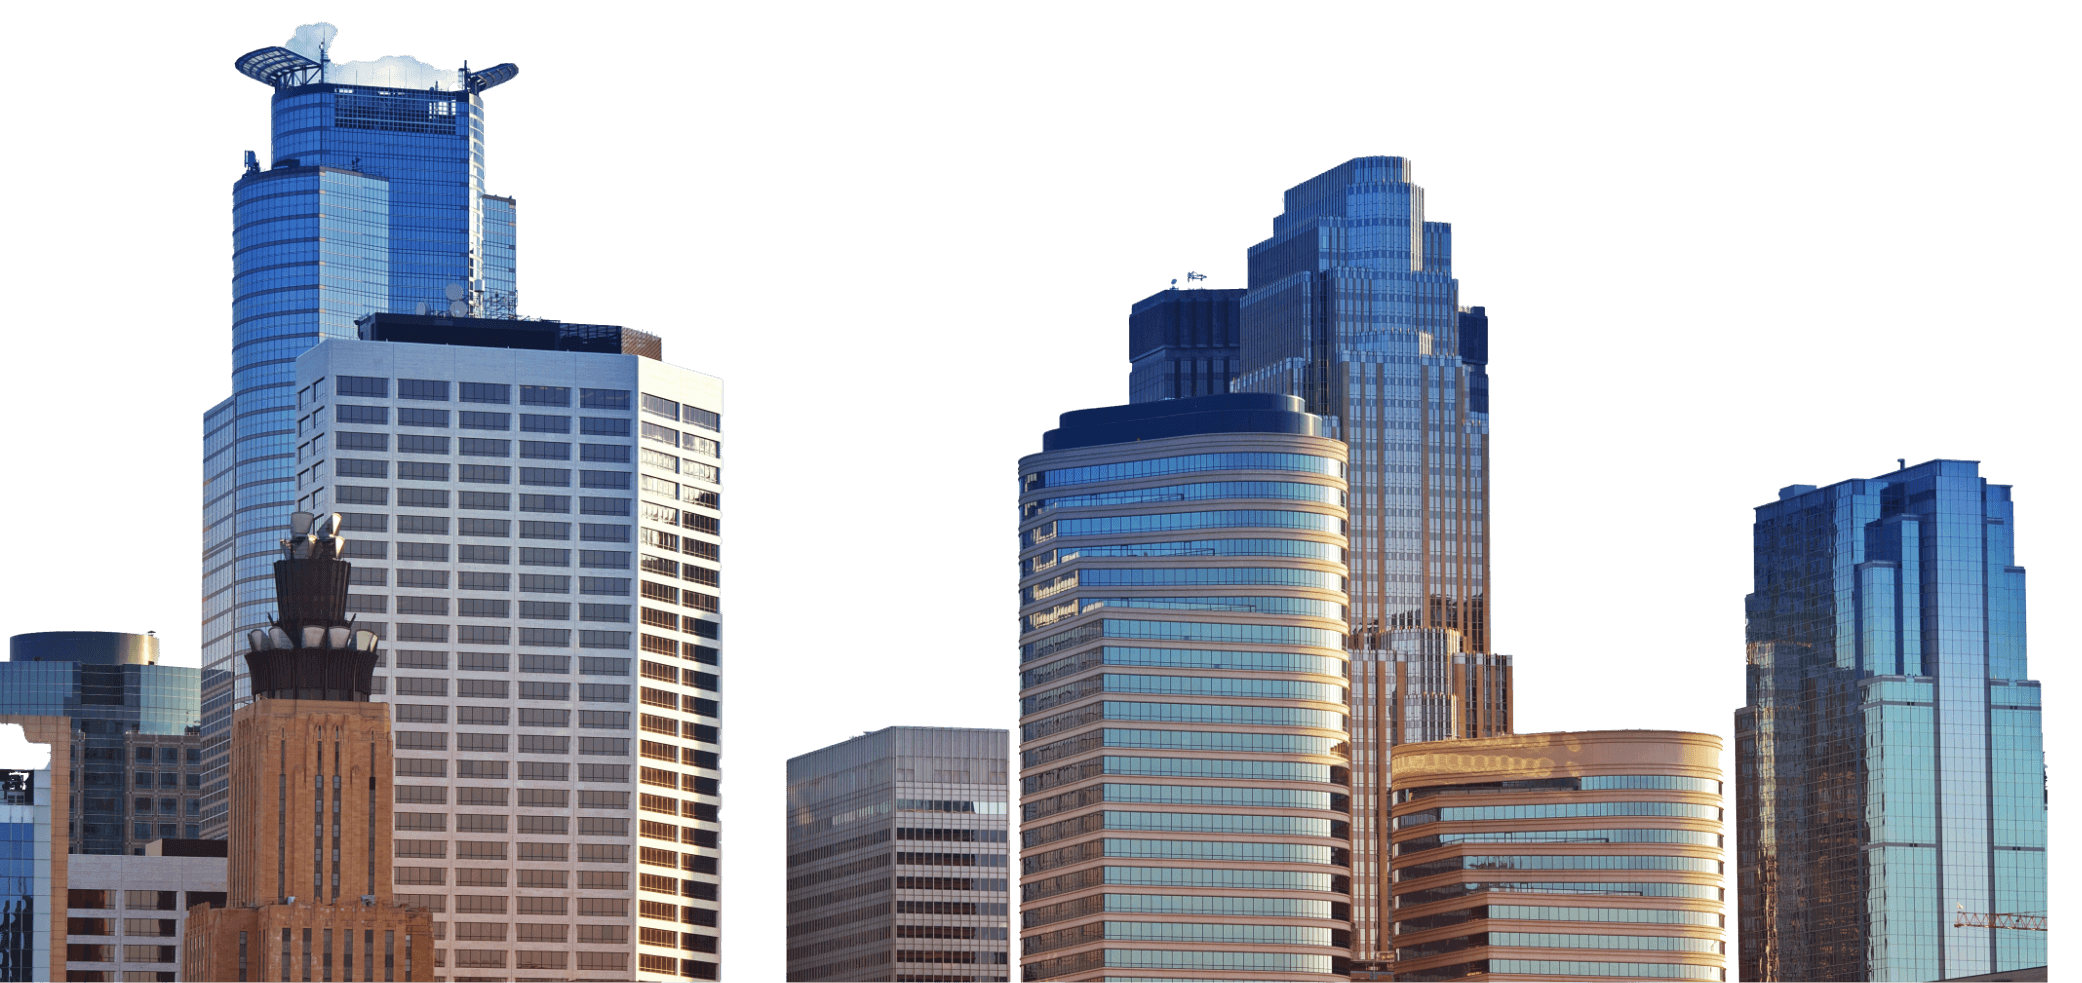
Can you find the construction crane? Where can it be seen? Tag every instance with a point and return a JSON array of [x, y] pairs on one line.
[[1976, 919]]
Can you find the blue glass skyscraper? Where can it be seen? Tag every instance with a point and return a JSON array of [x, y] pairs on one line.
[[373, 201], [1353, 307], [1890, 771]]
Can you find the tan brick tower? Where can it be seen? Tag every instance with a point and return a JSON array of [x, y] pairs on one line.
[[310, 871]]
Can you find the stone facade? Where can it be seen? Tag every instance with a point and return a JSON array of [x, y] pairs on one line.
[[299, 902]]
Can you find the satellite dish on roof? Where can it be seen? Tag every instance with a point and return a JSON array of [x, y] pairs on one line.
[[457, 308], [456, 291], [421, 310]]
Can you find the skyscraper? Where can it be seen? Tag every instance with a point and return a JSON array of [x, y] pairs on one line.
[[1890, 770], [136, 756], [897, 857], [373, 200], [1182, 694], [1353, 307], [535, 520]]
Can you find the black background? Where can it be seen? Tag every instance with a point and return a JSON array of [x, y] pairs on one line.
[[904, 269]]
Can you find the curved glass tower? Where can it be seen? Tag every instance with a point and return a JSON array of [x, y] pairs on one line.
[[1183, 759], [373, 201]]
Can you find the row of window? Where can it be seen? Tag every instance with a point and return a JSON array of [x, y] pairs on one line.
[[437, 391], [1286, 548], [529, 556], [1184, 740], [352, 440], [1191, 713], [1185, 904], [1213, 686], [1559, 810], [1698, 865], [588, 665], [587, 853], [591, 426], [1174, 521], [1196, 491], [526, 798], [1684, 836], [437, 525], [477, 822], [1216, 796], [1184, 631], [527, 771], [497, 689], [1617, 889], [1150, 467], [1259, 964], [436, 740], [364, 575], [1166, 658], [481, 474]]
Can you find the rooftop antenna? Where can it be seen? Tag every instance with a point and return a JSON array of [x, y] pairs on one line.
[[1174, 283], [1903, 462], [1192, 276]]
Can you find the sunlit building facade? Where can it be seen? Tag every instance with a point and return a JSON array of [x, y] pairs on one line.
[[897, 857], [1183, 744], [1890, 764], [1353, 306], [1579, 855]]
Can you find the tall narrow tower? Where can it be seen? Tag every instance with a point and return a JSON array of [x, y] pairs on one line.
[[372, 200], [311, 849], [1354, 308]]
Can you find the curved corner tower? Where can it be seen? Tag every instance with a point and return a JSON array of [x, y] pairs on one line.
[[372, 199]]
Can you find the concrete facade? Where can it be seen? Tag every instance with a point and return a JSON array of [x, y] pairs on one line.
[[136, 909], [1559, 856], [546, 573]]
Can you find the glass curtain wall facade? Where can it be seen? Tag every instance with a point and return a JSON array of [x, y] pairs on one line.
[[537, 535], [26, 916], [1182, 343], [1353, 307], [373, 201], [897, 857], [1183, 744], [135, 746], [1890, 767]]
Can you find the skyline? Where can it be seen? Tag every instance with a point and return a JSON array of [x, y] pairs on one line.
[[1178, 212]]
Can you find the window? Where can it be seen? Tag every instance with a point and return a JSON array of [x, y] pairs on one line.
[[364, 522], [489, 501], [363, 387], [422, 525], [604, 720], [467, 553], [552, 477], [541, 583], [378, 415], [559, 664], [424, 552], [482, 635], [545, 396], [660, 406], [348, 440], [537, 423], [480, 689], [424, 498], [603, 506], [348, 467], [484, 392], [539, 557], [545, 744], [483, 447], [545, 450], [705, 419], [545, 771], [597, 665], [368, 576], [603, 533], [608, 453], [603, 693], [487, 474], [544, 718], [612, 613], [545, 610], [468, 420], [544, 503], [605, 773], [415, 443], [436, 579], [483, 717], [603, 559], [555, 638], [546, 691], [493, 528], [428, 390], [664, 435], [599, 399], [414, 417], [476, 580], [479, 608], [612, 586], [422, 471], [543, 530]]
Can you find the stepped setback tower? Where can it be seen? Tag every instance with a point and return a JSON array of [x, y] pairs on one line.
[[311, 753]]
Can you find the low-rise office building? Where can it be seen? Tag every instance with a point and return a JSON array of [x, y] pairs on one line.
[[1560, 856], [126, 915]]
